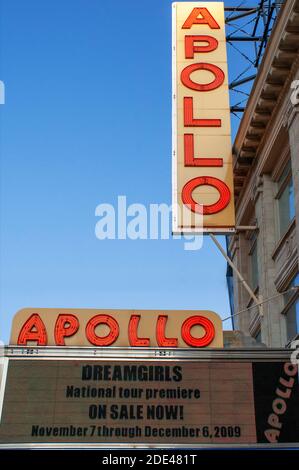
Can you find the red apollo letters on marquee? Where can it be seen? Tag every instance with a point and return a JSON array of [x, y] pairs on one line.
[[67, 325]]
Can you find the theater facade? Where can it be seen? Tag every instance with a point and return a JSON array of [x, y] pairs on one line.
[[266, 181]]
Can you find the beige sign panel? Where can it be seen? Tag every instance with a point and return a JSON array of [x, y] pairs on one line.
[[202, 158], [133, 328]]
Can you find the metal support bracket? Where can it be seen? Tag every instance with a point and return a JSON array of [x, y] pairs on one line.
[[257, 301]]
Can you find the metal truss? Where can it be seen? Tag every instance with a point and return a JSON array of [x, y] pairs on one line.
[[248, 29]]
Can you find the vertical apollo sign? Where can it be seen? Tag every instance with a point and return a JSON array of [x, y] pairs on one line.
[[202, 158]]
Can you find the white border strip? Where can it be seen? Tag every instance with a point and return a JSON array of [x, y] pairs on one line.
[[3, 383], [130, 446], [175, 229], [147, 354]]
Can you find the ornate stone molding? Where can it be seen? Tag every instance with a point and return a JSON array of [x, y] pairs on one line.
[[290, 115], [255, 324]]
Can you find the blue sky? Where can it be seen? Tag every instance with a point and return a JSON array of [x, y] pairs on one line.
[[87, 118]]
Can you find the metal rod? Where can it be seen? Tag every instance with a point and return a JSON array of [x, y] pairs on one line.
[[244, 38], [239, 275], [241, 15], [237, 109], [239, 8], [242, 81], [265, 36], [263, 302], [241, 228]]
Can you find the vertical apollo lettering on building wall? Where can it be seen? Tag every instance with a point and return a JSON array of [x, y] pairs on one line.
[[202, 158]]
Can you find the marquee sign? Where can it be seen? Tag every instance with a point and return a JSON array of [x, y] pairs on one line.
[[126, 402], [133, 328], [202, 158]]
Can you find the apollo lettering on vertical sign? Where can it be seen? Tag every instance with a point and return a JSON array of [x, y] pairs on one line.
[[202, 158]]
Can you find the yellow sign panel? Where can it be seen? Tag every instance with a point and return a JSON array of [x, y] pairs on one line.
[[202, 157], [121, 328]]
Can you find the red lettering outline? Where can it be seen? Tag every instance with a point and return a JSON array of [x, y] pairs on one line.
[[198, 342], [218, 206]]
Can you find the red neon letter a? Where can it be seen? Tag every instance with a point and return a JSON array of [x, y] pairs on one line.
[[206, 18], [33, 330]]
